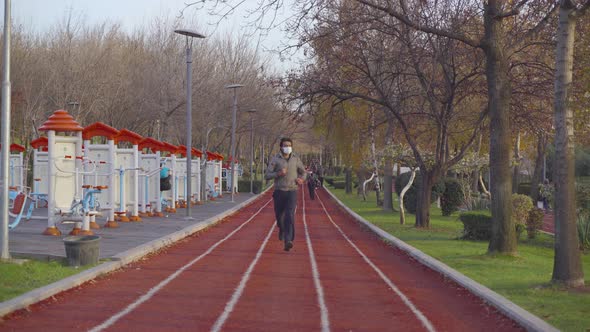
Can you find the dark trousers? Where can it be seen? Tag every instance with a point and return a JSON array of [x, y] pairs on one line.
[[311, 186], [284, 204]]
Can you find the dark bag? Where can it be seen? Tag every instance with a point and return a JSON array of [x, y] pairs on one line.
[[165, 183]]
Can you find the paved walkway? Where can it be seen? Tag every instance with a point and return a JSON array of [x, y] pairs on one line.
[[27, 238], [548, 222]]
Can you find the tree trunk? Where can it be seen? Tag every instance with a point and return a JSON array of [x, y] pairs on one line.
[[348, 180], [516, 168], [388, 186], [538, 173], [424, 199], [475, 173], [499, 93], [402, 211], [567, 265], [388, 172]]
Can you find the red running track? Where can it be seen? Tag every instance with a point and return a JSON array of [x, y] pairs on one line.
[[235, 276]]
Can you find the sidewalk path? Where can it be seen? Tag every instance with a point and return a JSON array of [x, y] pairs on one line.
[[27, 238]]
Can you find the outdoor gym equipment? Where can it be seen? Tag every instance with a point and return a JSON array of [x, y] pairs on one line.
[[171, 195], [213, 174], [16, 170], [181, 177], [127, 163], [86, 208], [104, 155], [40, 172], [61, 154], [149, 190]]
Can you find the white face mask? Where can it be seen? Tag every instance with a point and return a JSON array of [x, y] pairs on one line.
[[286, 149]]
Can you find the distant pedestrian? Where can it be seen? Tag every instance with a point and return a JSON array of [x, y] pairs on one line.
[[288, 173], [165, 183], [312, 184]]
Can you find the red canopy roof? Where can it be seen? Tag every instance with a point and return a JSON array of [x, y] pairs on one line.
[[99, 129], [15, 147], [150, 143], [173, 149], [194, 152], [128, 136], [214, 156], [40, 142], [61, 120], [197, 152]]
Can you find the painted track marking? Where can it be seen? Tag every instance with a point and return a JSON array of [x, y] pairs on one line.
[[425, 322], [109, 322], [325, 320], [229, 307]]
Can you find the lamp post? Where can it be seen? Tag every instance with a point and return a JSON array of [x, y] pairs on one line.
[[233, 134], [74, 104], [4, 252], [190, 34], [252, 111]]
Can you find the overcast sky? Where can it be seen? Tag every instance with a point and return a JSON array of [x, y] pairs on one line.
[[42, 14]]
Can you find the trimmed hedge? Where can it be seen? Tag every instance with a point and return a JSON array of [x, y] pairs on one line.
[[477, 225], [452, 196], [244, 186], [338, 184]]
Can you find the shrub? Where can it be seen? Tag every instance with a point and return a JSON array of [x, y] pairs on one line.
[[339, 184], [411, 196], [477, 225], [329, 180], [479, 203], [521, 206], [534, 222], [452, 196], [583, 197], [584, 230], [244, 186]]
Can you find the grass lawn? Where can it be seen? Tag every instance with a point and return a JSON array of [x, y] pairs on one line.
[[523, 279], [17, 279]]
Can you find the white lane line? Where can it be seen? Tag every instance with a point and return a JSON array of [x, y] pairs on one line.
[[229, 307], [173, 276], [325, 319], [425, 322]]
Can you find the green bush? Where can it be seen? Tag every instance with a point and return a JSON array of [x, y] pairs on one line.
[[524, 188], [329, 180], [521, 206], [244, 186], [584, 230], [452, 196], [534, 222], [583, 196], [411, 196], [339, 184], [477, 225]]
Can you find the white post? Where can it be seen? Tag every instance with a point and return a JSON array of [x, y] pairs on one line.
[[5, 254], [51, 218], [135, 206]]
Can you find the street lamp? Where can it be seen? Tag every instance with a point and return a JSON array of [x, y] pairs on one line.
[[252, 111], [233, 134], [190, 34], [4, 251]]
